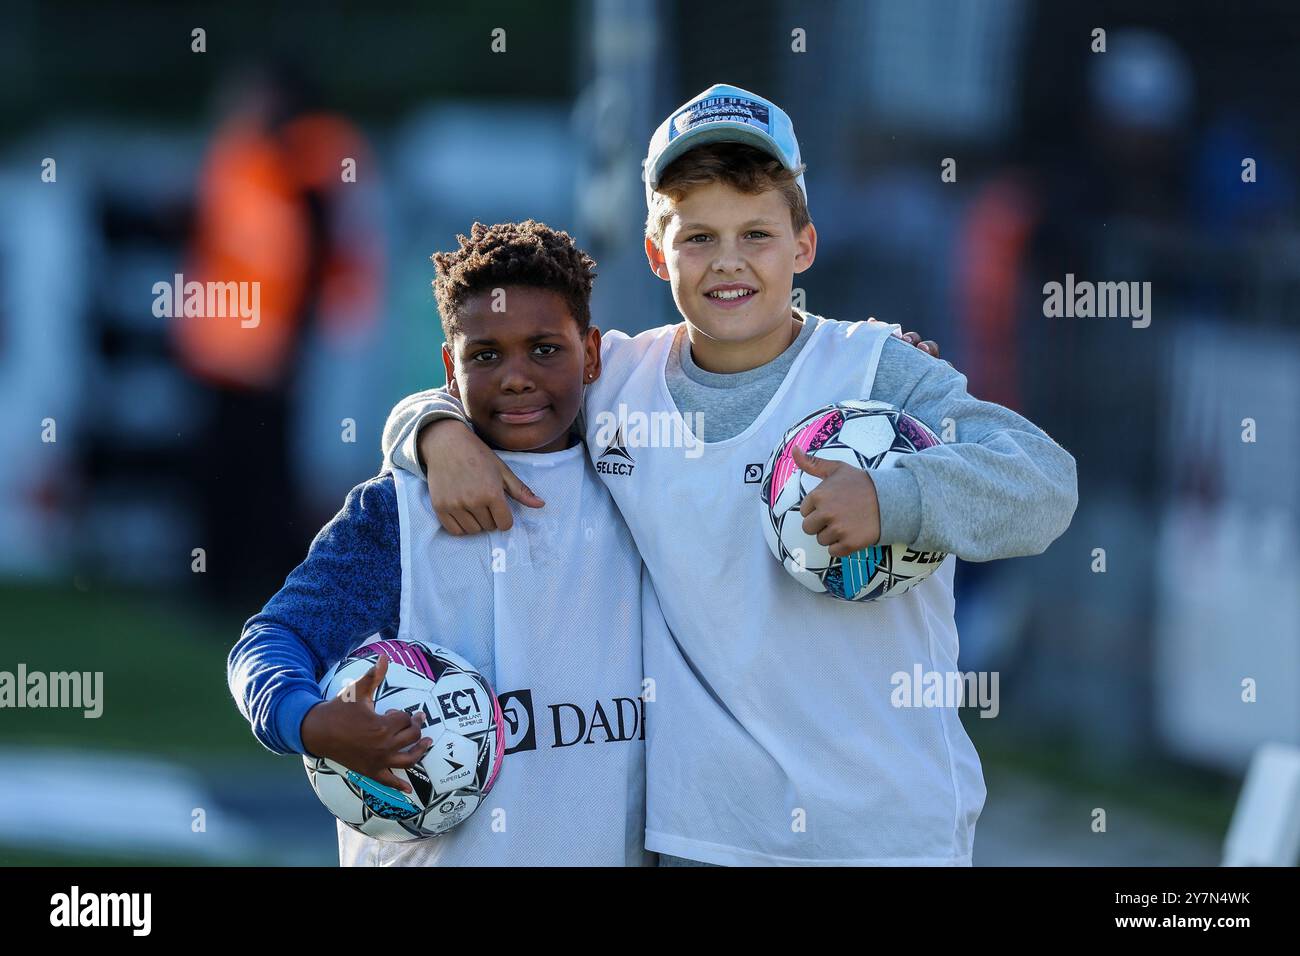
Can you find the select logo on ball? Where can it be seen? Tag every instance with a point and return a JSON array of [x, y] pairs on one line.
[[460, 704]]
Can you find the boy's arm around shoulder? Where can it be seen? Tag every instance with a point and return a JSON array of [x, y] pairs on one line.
[[400, 443], [348, 588], [1003, 489]]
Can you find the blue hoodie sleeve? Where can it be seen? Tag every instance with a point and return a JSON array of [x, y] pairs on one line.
[[348, 588]]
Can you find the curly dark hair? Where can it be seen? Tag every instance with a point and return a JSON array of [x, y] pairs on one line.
[[526, 253]]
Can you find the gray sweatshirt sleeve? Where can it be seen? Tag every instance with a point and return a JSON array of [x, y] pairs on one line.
[[412, 413], [1002, 489]]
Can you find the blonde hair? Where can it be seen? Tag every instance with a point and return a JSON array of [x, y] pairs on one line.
[[745, 168]]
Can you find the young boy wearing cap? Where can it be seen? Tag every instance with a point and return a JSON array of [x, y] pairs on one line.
[[774, 736]]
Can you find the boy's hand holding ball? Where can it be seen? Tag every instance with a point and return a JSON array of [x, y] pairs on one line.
[[348, 731], [843, 511]]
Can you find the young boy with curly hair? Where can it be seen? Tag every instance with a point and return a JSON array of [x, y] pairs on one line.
[[551, 608]]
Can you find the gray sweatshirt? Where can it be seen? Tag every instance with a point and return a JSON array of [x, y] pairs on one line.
[[1001, 489]]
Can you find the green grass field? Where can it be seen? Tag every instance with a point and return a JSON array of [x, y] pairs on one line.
[[164, 669], [164, 695], [1193, 799]]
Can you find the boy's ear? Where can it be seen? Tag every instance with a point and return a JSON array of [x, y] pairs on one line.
[[449, 364], [805, 248], [655, 256], [591, 356]]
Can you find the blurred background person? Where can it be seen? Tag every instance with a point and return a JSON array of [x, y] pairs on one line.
[[275, 207]]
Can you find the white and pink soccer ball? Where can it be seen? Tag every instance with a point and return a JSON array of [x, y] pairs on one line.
[[864, 434], [461, 716]]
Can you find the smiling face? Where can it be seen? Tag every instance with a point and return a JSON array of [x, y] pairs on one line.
[[731, 257], [520, 373]]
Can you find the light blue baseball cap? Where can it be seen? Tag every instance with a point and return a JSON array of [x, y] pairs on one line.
[[722, 114]]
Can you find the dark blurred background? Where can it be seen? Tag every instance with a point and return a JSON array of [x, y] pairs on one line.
[[1120, 689]]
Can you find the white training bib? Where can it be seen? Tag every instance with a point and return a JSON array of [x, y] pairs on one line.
[[773, 735], [551, 613]]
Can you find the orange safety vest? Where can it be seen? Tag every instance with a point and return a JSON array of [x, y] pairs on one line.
[[992, 245], [253, 225]]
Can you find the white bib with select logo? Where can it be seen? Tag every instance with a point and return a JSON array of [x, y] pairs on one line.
[[551, 613], [774, 735]]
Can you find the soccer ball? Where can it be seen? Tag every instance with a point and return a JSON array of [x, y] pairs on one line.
[[865, 435], [461, 716]]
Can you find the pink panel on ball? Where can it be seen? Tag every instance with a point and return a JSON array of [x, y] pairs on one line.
[[813, 435]]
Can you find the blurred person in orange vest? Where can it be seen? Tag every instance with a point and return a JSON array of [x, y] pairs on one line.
[[1034, 223], [1030, 225], [276, 206]]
